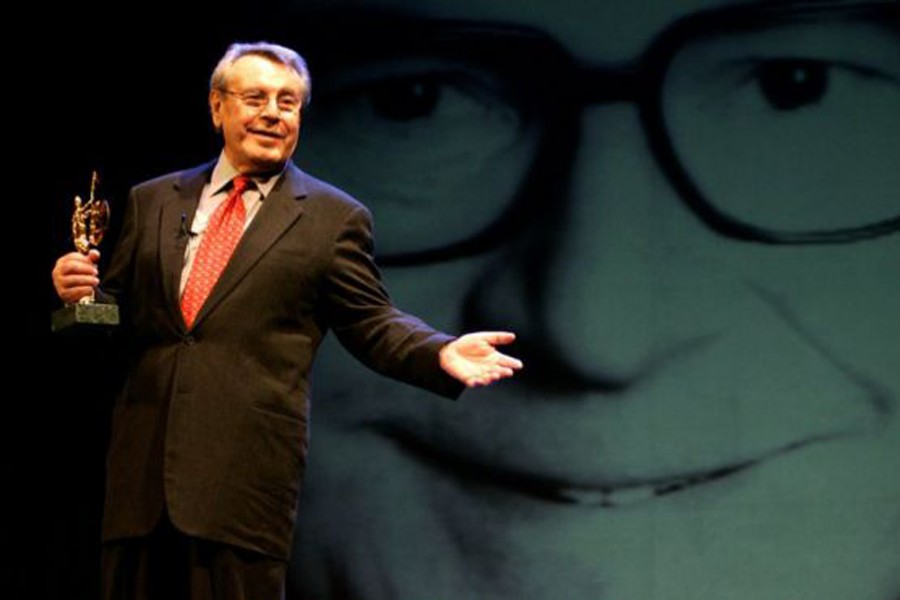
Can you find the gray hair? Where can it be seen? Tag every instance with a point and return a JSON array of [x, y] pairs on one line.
[[273, 52]]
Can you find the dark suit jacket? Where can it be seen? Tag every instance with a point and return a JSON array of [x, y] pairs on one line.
[[211, 422]]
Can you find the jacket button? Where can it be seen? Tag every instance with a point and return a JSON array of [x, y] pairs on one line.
[[189, 340]]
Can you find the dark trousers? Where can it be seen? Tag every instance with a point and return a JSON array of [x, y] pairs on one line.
[[169, 565]]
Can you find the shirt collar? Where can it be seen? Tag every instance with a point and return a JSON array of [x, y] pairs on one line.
[[224, 172]]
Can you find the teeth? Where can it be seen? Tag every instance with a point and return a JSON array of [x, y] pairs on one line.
[[611, 498], [628, 495], [586, 497]]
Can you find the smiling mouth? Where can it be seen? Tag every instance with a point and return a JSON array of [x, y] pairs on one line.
[[608, 495], [620, 495], [267, 134]]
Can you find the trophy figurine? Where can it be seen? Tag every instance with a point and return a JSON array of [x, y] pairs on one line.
[[89, 223]]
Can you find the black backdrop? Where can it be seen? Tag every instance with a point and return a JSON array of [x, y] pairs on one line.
[[131, 104]]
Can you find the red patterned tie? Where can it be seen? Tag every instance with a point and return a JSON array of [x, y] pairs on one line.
[[226, 224]]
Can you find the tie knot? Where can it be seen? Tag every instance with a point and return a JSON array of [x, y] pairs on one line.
[[239, 184]]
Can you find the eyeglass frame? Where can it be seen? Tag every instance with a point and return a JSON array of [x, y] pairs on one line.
[[575, 86], [242, 97]]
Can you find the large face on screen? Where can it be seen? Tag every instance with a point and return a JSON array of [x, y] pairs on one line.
[[688, 212]]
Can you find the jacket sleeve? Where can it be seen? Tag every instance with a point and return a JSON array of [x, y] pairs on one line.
[[365, 321], [117, 279]]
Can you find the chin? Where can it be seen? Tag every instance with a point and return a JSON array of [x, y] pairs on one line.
[[267, 163]]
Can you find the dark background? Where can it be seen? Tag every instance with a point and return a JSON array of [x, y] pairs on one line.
[[131, 104]]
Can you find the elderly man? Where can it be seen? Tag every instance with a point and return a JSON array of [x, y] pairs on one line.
[[229, 276]]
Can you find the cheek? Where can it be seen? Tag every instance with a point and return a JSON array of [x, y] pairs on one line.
[[845, 297], [233, 132], [293, 134], [436, 293], [231, 120]]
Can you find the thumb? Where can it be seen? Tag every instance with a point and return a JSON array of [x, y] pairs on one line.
[[497, 338]]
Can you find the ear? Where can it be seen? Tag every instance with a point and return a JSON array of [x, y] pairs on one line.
[[215, 108]]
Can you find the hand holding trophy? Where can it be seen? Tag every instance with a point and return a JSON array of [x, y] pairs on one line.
[[90, 221]]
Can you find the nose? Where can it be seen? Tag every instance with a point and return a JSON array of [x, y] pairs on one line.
[[595, 288], [271, 110]]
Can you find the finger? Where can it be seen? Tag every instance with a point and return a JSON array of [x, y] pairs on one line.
[[77, 268], [501, 373], [73, 295], [509, 361], [75, 262], [488, 378], [497, 338], [476, 380], [73, 281], [78, 256], [94, 255]]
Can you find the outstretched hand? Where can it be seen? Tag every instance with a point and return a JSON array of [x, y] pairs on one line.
[[474, 359]]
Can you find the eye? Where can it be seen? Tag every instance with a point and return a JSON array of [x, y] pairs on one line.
[[791, 84], [413, 104], [404, 100], [408, 134], [254, 99], [781, 128], [288, 103]]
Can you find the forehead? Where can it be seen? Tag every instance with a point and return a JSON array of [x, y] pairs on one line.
[[590, 29], [254, 70]]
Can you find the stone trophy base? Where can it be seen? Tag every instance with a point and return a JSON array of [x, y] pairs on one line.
[[84, 317]]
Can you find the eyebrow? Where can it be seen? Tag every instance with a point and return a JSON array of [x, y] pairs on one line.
[[782, 4], [400, 31], [371, 25]]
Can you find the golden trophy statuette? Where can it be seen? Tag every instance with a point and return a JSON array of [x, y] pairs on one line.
[[90, 221]]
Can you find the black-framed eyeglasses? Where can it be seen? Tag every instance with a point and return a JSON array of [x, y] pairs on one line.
[[777, 123]]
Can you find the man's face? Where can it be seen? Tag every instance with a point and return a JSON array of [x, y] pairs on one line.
[[258, 138], [700, 416]]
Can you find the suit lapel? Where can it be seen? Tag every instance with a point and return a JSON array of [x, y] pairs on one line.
[[175, 220], [278, 212]]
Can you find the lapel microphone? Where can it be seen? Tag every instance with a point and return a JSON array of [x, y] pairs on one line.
[[183, 231]]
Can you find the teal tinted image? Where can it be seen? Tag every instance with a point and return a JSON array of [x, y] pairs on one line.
[[689, 213]]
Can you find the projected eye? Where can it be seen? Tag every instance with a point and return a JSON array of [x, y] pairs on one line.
[[435, 147], [412, 103], [405, 100], [790, 84], [782, 127]]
